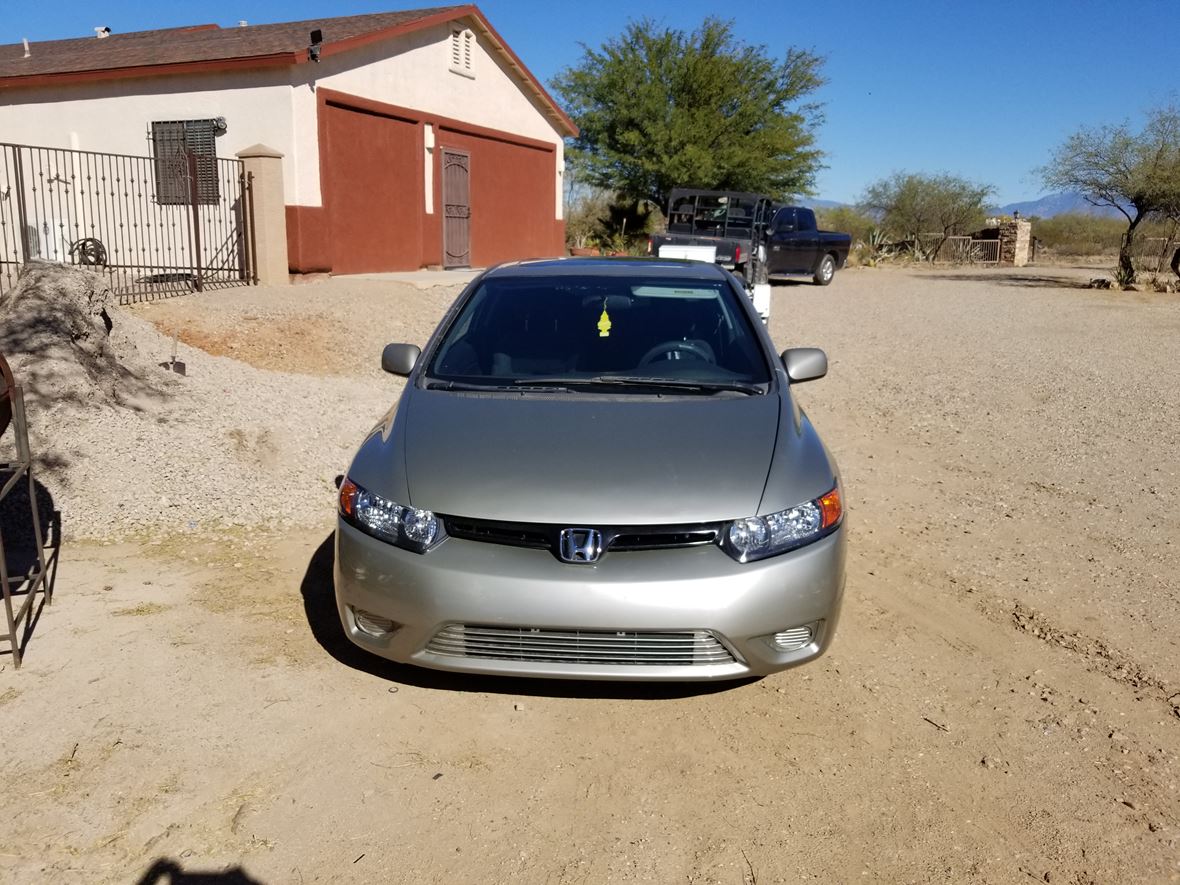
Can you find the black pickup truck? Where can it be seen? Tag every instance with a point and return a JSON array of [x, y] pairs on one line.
[[796, 247], [751, 235]]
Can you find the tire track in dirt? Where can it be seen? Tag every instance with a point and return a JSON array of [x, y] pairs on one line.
[[1099, 656]]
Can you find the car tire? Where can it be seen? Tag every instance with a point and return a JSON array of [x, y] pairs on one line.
[[825, 271]]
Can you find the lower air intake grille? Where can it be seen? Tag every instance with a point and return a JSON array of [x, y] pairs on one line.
[[609, 647]]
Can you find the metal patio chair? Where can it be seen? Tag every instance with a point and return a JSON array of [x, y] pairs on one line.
[[19, 591]]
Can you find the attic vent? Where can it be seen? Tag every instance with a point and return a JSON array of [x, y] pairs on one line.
[[462, 48]]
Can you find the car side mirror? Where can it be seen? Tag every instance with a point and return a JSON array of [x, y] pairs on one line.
[[400, 359], [805, 363], [782, 227]]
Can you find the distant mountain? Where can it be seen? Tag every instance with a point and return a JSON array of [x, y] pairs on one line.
[[1058, 204], [1045, 207], [811, 203]]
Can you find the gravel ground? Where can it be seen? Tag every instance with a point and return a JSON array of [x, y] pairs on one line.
[[229, 442], [1001, 702]]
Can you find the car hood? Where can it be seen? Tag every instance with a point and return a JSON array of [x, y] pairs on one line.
[[587, 459]]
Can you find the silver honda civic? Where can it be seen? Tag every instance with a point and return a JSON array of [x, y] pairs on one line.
[[596, 471]]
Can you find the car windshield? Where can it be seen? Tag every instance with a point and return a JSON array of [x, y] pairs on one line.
[[629, 333]]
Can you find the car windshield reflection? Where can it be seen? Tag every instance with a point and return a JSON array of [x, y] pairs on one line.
[[578, 333]]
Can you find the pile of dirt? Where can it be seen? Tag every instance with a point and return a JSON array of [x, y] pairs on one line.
[[62, 338], [124, 446]]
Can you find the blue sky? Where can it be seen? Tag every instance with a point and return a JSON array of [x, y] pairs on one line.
[[981, 89]]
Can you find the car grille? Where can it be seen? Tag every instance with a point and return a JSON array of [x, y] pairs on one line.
[[614, 538], [609, 647], [511, 534]]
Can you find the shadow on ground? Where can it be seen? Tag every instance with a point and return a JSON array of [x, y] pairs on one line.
[[319, 605], [1023, 281], [166, 871]]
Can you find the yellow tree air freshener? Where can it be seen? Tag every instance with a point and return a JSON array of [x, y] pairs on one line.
[[604, 322]]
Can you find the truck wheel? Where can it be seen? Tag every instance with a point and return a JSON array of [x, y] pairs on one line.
[[825, 271]]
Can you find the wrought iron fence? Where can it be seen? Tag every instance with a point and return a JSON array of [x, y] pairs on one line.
[[1152, 254], [965, 250], [153, 225]]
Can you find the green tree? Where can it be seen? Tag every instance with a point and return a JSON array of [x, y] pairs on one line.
[[912, 206], [1137, 173], [659, 107]]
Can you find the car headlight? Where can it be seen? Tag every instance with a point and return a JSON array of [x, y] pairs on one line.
[[406, 527], [757, 537]]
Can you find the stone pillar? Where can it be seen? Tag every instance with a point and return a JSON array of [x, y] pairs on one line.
[[270, 214], [1015, 242]]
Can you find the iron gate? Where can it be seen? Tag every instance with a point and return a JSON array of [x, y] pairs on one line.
[[154, 225], [965, 250]]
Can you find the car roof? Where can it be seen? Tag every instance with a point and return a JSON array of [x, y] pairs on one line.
[[653, 268]]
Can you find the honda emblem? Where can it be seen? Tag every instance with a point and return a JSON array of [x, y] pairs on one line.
[[580, 545]]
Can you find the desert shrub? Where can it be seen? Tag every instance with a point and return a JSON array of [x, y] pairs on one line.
[[586, 218], [847, 220], [926, 209], [859, 226], [601, 220], [1075, 233], [1079, 234], [1123, 277]]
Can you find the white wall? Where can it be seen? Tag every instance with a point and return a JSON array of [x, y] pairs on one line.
[[116, 116]]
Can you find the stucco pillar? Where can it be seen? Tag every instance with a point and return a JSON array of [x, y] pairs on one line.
[[270, 213]]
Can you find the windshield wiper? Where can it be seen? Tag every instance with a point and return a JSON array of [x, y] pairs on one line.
[[457, 385], [513, 386], [677, 384]]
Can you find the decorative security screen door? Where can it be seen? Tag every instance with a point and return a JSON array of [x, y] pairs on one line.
[[456, 209]]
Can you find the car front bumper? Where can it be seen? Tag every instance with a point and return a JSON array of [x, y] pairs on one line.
[[508, 591]]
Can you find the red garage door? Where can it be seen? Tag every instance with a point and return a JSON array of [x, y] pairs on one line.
[[372, 180]]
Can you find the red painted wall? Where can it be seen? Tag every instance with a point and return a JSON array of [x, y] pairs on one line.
[[309, 239], [371, 178], [372, 184]]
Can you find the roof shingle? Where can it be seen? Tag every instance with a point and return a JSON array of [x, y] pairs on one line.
[[202, 43], [211, 48]]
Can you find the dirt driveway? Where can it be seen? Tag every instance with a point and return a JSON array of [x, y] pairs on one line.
[[1002, 703]]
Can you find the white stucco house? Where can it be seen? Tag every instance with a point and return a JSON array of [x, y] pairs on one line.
[[408, 138]]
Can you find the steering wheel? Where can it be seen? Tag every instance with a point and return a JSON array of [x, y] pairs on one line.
[[668, 348]]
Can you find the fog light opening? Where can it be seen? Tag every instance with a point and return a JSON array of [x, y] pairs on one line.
[[795, 638], [374, 625]]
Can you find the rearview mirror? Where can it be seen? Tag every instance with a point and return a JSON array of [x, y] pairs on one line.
[[400, 359], [805, 363]]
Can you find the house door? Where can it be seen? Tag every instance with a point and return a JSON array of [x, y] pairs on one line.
[[456, 209]]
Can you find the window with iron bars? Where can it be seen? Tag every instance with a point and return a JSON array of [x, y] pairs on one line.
[[172, 142]]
